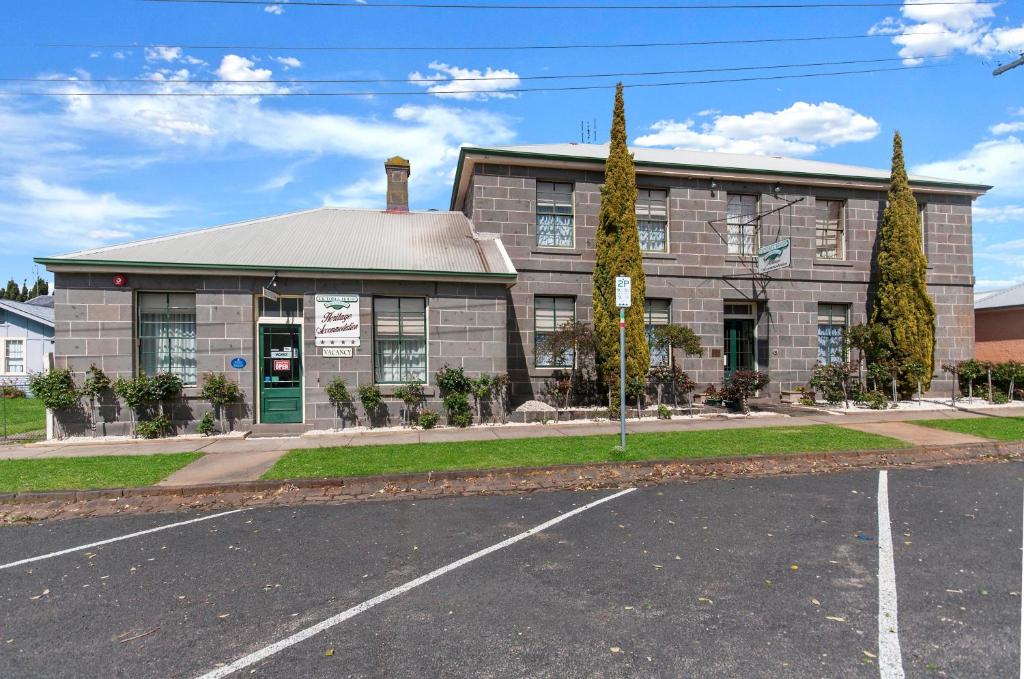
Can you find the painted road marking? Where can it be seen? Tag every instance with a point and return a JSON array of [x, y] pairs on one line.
[[302, 635], [117, 539], [890, 658]]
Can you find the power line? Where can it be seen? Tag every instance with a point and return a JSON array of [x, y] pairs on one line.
[[429, 81], [518, 90], [508, 6], [459, 48]]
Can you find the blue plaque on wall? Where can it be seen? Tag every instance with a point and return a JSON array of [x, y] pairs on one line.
[[238, 362]]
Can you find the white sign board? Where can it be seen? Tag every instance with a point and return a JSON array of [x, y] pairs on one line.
[[336, 320], [338, 352], [774, 256], [623, 291], [270, 294]]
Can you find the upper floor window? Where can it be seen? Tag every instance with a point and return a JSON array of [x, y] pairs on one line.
[[14, 356], [167, 334], [555, 215], [830, 229], [399, 340], [831, 328], [550, 314], [652, 219], [656, 312], [741, 224]]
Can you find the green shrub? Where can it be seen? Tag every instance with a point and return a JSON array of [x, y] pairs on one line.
[[833, 380], [411, 394], [428, 419], [452, 381], [11, 391], [206, 424], [220, 392], [457, 406], [154, 428], [742, 385], [664, 413], [55, 388], [96, 382], [370, 397], [875, 400]]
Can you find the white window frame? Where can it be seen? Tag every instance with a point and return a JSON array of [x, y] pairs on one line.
[[426, 336], [554, 309], [6, 353], [751, 226], [279, 320], [841, 239], [536, 214], [647, 217], [665, 360]]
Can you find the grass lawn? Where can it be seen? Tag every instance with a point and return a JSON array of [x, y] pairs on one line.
[[535, 452], [1000, 428], [66, 473], [23, 414]]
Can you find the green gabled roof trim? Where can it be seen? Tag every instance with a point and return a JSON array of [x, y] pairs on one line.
[[60, 261], [703, 168]]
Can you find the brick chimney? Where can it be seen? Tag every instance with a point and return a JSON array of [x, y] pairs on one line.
[[398, 171]]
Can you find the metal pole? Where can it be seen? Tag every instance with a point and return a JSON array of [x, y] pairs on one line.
[[1013, 64], [622, 377]]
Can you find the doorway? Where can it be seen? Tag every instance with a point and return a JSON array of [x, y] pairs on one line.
[[740, 337], [280, 374]]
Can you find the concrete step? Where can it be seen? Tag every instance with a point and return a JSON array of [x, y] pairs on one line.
[[262, 431]]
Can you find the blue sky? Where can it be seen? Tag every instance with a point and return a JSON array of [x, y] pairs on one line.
[[83, 171]]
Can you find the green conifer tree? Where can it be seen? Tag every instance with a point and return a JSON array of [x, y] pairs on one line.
[[902, 303], [618, 254], [12, 292]]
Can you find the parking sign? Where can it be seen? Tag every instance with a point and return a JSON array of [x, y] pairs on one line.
[[623, 291]]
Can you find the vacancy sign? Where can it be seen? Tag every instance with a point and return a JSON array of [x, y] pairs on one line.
[[623, 291], [336, 321]]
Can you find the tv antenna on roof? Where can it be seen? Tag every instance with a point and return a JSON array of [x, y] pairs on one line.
[[588, 131]]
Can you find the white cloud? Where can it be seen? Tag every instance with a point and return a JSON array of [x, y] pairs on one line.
[[273, 9], [48, 213], [1007, 128], [472, 83], [999, 215], [288, 62], [362, 193], [998, 162], [985, 284], [236, 68], [163, 53], [800, 130], [933, 30]]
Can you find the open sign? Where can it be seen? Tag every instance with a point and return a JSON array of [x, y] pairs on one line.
[[282, 364]]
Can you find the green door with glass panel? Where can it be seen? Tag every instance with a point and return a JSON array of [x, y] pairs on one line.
[[280, 374], [739, 345]]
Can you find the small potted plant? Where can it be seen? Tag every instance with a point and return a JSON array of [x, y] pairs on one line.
[[711, 396]]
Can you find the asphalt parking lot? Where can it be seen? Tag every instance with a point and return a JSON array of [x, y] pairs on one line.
[[718, 578]]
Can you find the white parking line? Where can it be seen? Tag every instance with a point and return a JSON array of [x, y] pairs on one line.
[[117, 539], [890, 658], [302, 635]]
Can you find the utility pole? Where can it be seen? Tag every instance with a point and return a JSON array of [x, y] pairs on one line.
[[1013, 64]]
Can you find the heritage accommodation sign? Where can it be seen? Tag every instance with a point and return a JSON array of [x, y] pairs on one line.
[[336, 322], [774, 256]]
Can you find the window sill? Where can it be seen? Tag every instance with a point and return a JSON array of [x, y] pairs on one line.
[[740, 259], [833, 262], [552, 368], [657, 255], [570, 252]]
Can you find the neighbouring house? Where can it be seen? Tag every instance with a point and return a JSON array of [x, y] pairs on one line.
[[999, 324], [26, 339], [285, 304]]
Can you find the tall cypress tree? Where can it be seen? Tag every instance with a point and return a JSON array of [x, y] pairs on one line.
[[902, 303], [618, 254]]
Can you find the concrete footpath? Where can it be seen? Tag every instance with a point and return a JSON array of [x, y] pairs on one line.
[[235, 459]]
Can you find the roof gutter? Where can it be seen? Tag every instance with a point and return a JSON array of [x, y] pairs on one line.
[[473, 154], [62, 265]]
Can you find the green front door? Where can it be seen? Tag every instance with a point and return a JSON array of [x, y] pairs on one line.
[[280, 374], [739, 345]]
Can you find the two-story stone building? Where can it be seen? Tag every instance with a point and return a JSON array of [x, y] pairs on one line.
[[283, 305], [702, 218]]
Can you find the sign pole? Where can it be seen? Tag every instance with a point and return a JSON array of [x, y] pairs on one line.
[[622, 377]]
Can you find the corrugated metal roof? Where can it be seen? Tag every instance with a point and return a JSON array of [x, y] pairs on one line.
[[321, 239], [33, 312], [708, 159], [1004, 297]]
